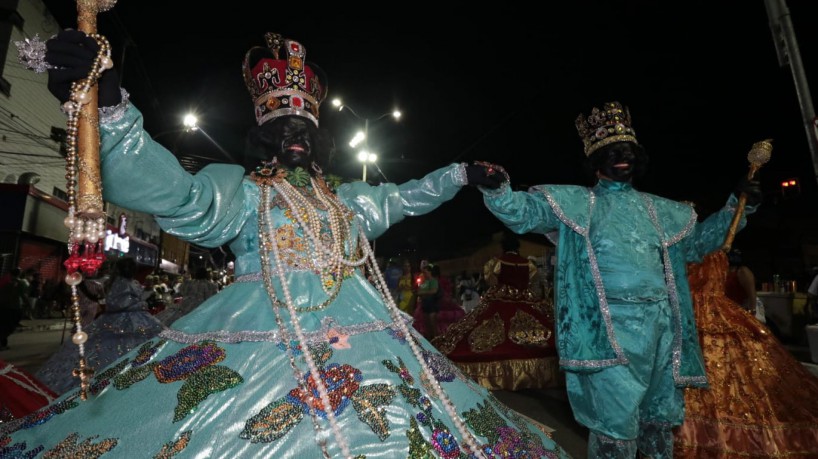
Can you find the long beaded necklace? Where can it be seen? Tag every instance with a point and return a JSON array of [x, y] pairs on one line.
[[265, 220], [84, 231], [331, 260], [380, 282], [333, 254]]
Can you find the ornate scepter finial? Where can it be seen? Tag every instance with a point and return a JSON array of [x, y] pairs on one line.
[[758, 156]]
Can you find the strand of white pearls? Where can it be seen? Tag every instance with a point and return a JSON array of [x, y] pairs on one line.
[[81, 229], [395, 313], [313, 224], [314, 371], [285, 336], [319, 245]]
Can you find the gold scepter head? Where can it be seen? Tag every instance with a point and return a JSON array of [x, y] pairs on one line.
[[758, 156]]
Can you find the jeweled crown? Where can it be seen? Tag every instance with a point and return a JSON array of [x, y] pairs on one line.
[[611, 123], [281, 82]]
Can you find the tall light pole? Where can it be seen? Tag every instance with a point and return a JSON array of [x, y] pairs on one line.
[[361, 138], [786, 47], [365, 156]]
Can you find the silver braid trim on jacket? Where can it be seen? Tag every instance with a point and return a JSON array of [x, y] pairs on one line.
[[670, 280], [621, 358]]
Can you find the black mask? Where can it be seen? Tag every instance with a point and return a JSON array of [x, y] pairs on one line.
[[293, 141], [619, 161]]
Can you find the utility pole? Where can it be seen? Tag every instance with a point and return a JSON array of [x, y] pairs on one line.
[[786, 47]]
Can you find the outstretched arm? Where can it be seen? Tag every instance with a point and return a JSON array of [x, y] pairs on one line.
[[379, 207]]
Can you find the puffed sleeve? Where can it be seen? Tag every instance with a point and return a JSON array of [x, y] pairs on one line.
[[379, 207], [208, 208], [522, 212], [709, 235]]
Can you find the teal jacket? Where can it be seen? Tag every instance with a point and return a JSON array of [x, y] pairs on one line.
[[616, 244]]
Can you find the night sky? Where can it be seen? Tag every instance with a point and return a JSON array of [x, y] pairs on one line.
[[701, 78]]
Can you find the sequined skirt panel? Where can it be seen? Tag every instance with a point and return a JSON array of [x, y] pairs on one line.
[[225, 382]]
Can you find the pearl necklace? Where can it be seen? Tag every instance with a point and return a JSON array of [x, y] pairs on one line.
[[334, 254], [395, 312], [82, 229], [331, 260], [265, 220]]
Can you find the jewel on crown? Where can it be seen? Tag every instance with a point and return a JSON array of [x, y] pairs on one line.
[[281, 82], [611, 123]]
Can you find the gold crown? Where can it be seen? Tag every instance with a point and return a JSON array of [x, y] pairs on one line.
[[281, 82], [605, 126]]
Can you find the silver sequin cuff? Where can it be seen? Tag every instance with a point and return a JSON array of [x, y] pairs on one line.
[[459, 175], [115, 113]]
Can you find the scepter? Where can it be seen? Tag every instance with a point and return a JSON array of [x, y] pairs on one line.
[[758, 156], [89, 194], [86, 217], [87, 225]]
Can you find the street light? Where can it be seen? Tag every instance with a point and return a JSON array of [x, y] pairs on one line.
[[365, 155], [191, 123]]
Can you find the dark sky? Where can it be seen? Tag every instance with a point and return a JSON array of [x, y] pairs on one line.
[[502, 84]]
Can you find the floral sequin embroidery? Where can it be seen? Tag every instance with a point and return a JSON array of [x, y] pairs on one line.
[[441, 441], [194, 364], [72, 448], [344, 387]]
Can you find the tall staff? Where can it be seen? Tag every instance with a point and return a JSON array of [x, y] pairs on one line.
[[89, 195], [759, 154], [86, 217]]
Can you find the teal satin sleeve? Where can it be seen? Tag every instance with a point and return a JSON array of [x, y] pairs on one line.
[[522, 212], [709, 235], [208, 208], [379, 207]]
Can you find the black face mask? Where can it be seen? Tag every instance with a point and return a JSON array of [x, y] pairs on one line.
[[619, 161], [294, 139]]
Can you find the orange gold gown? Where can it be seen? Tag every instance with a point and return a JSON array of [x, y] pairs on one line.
[[761, 402]]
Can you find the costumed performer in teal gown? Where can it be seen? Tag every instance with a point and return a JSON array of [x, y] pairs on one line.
[[625, 329], [300, 357]]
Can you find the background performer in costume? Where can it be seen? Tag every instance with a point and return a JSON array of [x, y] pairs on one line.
[[625, 330], [507, 341]]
